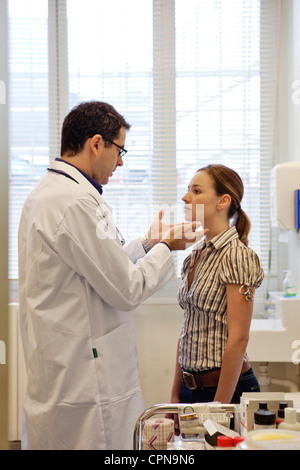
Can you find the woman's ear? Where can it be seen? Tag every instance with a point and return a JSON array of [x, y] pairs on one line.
[[225, 201]]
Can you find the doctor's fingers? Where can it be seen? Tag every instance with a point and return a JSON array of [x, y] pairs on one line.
[[159, 224], [182, 237], [193, 235], [188, 231], [158, 228]]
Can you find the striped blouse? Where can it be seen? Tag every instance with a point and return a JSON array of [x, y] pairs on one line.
[[204, 334]]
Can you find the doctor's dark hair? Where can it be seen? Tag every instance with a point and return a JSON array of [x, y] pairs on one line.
[[86, 120], [227, 181]]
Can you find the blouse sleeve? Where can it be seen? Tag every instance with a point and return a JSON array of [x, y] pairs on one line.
[[241, 265]]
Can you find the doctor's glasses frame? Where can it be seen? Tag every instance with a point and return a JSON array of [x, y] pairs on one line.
[[122, 151]]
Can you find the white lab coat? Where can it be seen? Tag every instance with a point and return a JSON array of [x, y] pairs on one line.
[[78, 288]]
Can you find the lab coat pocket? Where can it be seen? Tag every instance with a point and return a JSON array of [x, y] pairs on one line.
[[117, 364]]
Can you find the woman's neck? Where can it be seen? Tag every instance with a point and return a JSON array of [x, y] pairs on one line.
[[216, 228]]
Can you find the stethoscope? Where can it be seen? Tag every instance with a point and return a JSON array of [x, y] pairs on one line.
[[59, 172], [122, 239]]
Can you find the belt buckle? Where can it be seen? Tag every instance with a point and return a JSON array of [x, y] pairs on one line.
[[189, 380]]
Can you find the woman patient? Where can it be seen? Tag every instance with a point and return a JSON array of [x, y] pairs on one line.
[[217, 291]]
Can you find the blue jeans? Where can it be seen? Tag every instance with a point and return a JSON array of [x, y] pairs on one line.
[[246, 383]]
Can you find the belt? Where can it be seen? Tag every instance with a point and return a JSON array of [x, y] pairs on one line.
[[204, 379]]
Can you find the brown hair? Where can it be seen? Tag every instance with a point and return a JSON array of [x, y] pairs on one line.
[[86, 120], [227, 181]]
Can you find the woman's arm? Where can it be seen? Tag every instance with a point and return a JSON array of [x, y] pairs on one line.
[[239, 315], [175, 393]]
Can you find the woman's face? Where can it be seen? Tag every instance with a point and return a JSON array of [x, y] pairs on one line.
[[201, 199]]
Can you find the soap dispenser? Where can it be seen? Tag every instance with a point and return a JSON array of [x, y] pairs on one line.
[[289, 285]]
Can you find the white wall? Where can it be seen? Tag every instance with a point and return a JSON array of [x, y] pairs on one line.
[[158, 326]]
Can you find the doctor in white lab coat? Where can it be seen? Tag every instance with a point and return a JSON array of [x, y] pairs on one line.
[[78, 288]]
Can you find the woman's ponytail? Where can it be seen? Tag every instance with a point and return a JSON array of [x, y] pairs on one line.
[[243, 226]]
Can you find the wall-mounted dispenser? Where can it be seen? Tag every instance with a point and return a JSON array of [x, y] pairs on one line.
[[285, 180], [297, 209]]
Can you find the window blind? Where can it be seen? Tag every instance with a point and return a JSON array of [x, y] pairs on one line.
[[226, 70], [110, 59], [196, 79], [28, 84]]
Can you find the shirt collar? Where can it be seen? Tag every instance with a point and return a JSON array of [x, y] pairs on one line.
[[199, 245], [91, 180], [223, 238], [218, 241]]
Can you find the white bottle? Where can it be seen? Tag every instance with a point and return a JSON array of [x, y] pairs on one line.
[[290, 420], [289, 285]]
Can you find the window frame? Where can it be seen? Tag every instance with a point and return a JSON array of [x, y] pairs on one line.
[[164, 78]]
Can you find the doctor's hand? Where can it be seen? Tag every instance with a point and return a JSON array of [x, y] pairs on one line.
[[184, 235], [157, 230]]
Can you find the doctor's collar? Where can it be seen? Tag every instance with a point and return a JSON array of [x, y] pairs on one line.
[[91, 180]]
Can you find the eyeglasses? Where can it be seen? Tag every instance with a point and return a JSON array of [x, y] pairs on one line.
[[122, 151]]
